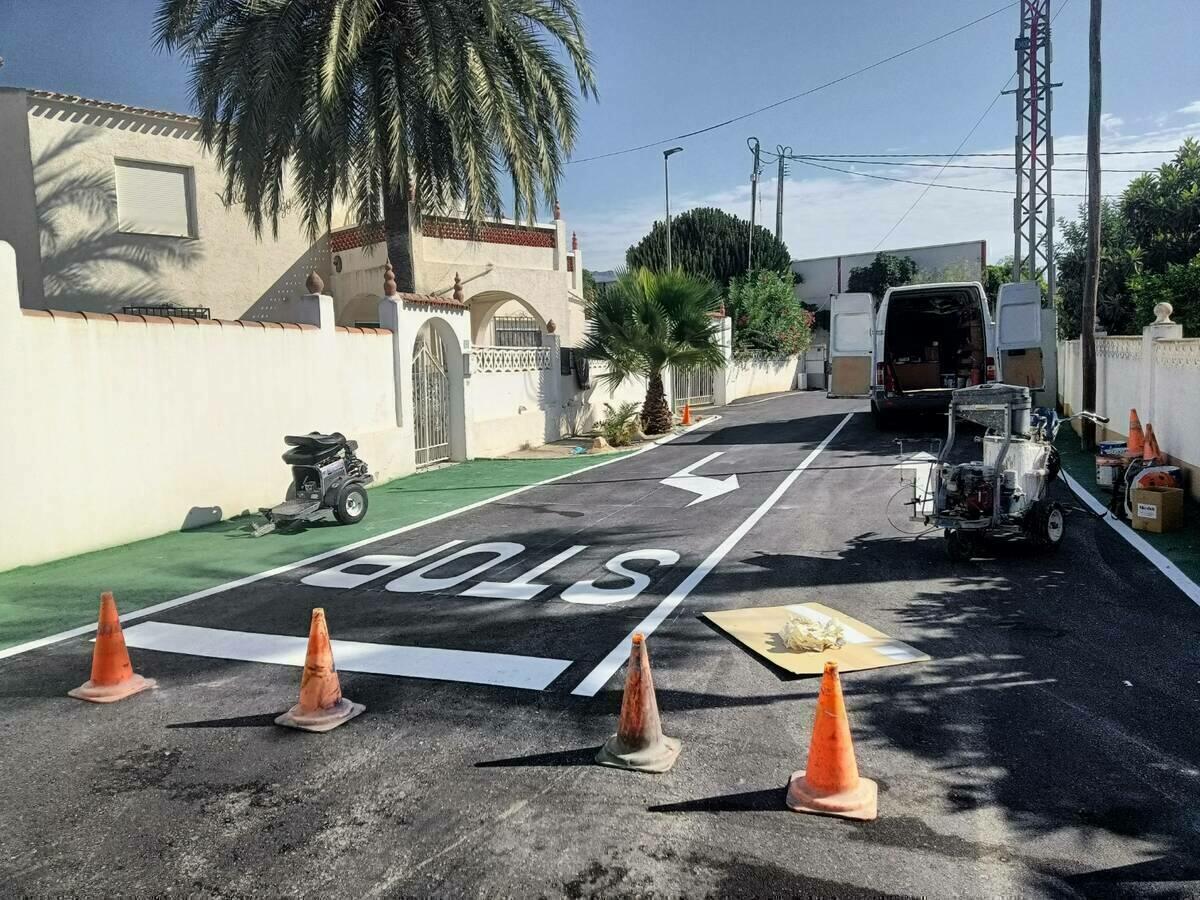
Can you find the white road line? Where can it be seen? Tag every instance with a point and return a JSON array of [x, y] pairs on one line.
[[1139, 543], [500, 669], [18, 649], [599, 676]]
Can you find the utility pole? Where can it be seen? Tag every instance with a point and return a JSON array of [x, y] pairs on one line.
[[1033, 208], [784, 153], [667, 154], [1087, 320], [752, 143]]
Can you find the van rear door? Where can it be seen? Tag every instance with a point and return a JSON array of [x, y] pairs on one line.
[[1019, 334], [851, 344]]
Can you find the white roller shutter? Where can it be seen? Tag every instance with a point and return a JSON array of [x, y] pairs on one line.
[[154, 199]]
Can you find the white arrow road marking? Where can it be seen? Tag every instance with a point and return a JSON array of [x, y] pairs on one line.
[[705, 487], [921, 465], [608, 666]]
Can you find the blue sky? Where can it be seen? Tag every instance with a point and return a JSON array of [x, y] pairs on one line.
[[670, 66]]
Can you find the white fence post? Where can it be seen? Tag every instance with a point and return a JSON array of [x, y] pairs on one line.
[[1161, 329]]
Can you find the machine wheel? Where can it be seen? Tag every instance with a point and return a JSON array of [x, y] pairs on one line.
[[1048, 524], [351, 504], [960, 545]]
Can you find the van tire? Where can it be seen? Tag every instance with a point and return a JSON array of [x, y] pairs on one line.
[[885, 420]]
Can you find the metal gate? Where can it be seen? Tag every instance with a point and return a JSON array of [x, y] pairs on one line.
[[691, 386], [431, 399]]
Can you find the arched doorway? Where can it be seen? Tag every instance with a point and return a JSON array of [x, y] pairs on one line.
[[431, 397]]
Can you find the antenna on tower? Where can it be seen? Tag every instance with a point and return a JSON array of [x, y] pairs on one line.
[[1033, 207]]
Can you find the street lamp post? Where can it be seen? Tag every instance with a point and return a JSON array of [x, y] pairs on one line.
[[667, 154]]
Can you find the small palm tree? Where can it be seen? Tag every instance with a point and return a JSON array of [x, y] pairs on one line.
[[647, 321], [370, 102]]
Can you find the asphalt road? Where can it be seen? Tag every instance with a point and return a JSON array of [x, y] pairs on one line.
[[1048, 749]]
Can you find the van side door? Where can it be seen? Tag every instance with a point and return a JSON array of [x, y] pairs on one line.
[[851, 344], [1019, 334]]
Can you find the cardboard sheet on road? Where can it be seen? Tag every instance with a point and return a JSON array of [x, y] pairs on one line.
[[757, 628]]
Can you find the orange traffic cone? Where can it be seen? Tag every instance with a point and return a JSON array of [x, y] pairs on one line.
[[686, 418], [639, 743], [113, 677], [1137, 441], [322, 706], [830, 785], [1150, 452]]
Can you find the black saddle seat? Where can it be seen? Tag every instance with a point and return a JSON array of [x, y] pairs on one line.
[[315, 448]]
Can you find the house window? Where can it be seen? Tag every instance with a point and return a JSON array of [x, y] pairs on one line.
[[516, 331], [155, 199]]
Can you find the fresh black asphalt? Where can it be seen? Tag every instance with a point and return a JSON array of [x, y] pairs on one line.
[[1048, 749]]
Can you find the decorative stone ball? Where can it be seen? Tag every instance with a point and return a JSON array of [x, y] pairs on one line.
[[551, 327], [313, 283], [1163, 311], [389, 281]]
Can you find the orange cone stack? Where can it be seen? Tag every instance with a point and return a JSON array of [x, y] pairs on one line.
[[686, 418], [113, 677], [831, 785], [1150, 453], [1137, 441], [322, 706], [639, 743]]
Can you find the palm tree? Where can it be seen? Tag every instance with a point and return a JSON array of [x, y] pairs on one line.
[[647, 321], [371, 103]]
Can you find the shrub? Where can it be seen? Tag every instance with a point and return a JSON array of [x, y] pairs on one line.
[[619, 424]]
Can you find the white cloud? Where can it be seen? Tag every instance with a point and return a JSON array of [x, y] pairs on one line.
[[1192, 108], [1110, 123], [827, 213]]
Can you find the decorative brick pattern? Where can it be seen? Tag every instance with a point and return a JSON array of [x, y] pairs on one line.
[[358, 236], [571, 263], [491, 233], [431, 300]]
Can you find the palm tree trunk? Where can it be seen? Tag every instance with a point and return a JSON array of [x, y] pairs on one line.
[[656, 414], [398, 236]]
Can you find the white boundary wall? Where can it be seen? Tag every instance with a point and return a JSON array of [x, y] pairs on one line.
[[1158, 374], [131, 427]]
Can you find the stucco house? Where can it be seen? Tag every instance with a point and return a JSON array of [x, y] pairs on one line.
[[113, 208]]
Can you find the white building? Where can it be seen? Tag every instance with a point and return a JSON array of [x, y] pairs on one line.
[[115, 209]]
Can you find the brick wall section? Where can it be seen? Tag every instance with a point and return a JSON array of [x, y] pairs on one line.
[[492, 233], [121, 318], [571, 263], [349, 238]]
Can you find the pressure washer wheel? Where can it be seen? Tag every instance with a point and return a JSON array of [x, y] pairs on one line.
[[351, 504], [1047, 524], [961, 545]]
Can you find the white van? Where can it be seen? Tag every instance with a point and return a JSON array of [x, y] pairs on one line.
[[925, 340]]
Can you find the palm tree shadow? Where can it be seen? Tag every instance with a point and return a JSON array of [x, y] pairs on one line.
[[88, 263]]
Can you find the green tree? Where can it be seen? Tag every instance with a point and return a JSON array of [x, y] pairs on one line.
[[710, 243], [885, 271], [647, 321], [371, 102], [1118, 263], [1161, 211], [766, 314], [1179, 285]]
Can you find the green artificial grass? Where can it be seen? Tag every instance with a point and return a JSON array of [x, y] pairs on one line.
[[1182, 547], [36, 601]]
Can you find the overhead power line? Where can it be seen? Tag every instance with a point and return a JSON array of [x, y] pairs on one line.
[[948, 187], [1057, 153], [948, 165], [794, 97]]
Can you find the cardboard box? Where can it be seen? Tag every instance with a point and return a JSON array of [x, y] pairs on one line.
[[915, 376], [1157, 509]]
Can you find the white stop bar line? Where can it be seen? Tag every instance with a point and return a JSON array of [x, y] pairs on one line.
[[598, 677]]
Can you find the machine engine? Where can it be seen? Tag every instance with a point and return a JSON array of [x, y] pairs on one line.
[[968, 488]]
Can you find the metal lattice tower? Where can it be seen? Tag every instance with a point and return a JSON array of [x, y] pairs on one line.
[[1033, 208]]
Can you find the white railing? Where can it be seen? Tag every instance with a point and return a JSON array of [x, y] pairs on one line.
[[511, 359]]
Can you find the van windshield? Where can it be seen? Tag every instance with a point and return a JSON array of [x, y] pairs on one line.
[[935, 339]]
